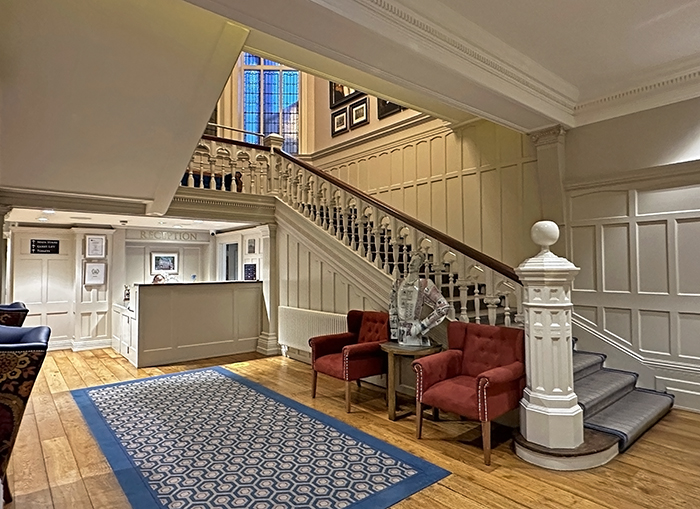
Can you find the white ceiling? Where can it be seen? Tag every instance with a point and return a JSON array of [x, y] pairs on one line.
[[53, 218], [599, 46], [527, 64]]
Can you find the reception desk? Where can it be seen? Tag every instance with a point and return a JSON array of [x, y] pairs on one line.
[[181, 322]]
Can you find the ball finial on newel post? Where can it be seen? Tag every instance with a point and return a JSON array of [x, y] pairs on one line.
[[544, 234]]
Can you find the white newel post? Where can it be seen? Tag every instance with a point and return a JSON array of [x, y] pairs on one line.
[[267, 342], [549, 412]]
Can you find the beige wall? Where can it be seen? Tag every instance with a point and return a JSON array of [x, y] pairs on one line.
[[477, 183]]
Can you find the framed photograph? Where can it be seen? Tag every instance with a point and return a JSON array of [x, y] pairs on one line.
[[164, 263], [340, 94], [250, 272], [95, 246], [386, 108], [95, 274], [359, 113], [251, 246], [339, 122]]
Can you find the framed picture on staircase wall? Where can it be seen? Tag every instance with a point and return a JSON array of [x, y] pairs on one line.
[[339, 122]]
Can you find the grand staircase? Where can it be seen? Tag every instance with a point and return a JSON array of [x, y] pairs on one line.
[[478, 288], [611, 401]]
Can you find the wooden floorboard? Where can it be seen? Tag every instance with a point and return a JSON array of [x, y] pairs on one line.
[[57, 463]]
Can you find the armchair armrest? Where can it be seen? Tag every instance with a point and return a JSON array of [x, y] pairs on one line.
[[435, 368], [330, 343], [502, 374], [362, 349]]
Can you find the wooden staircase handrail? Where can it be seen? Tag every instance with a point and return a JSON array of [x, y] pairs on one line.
[[455, 244]]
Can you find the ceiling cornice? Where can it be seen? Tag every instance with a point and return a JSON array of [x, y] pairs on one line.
[[395, 21]]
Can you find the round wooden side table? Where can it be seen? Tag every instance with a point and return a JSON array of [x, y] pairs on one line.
[[395, 352]]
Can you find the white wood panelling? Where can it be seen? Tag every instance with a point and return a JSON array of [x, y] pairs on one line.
[[639, 285], [477, 183]]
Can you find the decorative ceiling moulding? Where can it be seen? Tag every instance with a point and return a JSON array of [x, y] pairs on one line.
[[561, 94], [548, 136], [664, 91]]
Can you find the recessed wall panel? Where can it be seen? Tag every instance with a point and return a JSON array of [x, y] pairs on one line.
[[382, 169], [61, 325], [619, 322], [616, 265], [655, 332], [28, 277], [590, 313], [652, 257], [438, 217], [471, 207], [584, 256], [689, 335], [668, 200], [454, 207], [396, 166], [60, 281], [491, 212], [688, 257], [605, 204], [409, 163], [437, 156], [423, 202], [511, 212], [422, 160]]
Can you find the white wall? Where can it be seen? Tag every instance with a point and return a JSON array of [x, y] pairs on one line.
[[633, 188], [52, 286], [477, 183]]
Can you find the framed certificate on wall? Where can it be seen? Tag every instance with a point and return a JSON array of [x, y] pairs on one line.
[[95, 274], [95, 246]]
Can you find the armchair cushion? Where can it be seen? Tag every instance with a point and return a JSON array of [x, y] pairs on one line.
[[375, 327], [503, 374], [457, 395], [436, 368], [330, 344]]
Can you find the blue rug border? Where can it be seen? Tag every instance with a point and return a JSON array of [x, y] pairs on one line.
[[141, 496]]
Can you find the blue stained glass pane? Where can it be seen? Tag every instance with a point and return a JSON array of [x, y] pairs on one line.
[[269, 62], [290, 111], [251, 106], [271, 102], [249, 59]]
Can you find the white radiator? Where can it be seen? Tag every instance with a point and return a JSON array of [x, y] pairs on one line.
[[296, 326]]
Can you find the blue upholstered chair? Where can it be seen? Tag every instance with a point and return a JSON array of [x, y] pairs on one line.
[[22, 352], [13, 314]]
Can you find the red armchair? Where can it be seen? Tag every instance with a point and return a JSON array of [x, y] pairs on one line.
[[481, 376], [354, 354]]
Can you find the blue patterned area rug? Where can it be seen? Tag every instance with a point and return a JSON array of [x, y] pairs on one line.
[[212, 439]]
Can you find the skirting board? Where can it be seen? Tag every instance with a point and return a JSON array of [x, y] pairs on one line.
[[77, 346]]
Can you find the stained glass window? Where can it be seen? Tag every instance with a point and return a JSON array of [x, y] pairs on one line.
[[271, 101]]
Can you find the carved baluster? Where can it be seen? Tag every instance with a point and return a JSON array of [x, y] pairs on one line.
[[347, 222], [190, 176], [384, 230], [340, 216], [264, 187], [242, 162], [449, 259], [252, 177], [491, 299], [318, 202], [365, 246]]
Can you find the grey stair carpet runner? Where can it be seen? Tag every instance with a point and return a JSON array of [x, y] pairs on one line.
[[611, 401]]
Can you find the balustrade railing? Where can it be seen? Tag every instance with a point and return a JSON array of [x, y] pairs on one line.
[[479, 288]]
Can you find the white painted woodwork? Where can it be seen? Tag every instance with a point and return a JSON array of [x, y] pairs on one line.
[[45, 282], [549, 412], [637, 298], [90, 85], [181, 322], [477, 184]]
